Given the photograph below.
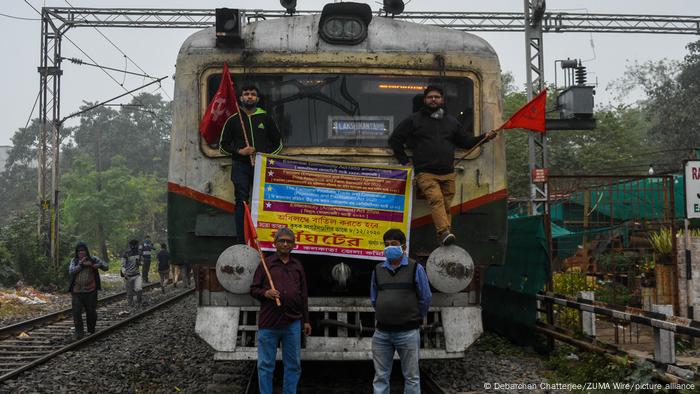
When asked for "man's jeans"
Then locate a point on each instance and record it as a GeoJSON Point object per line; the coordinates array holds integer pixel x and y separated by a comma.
{"type": "Point", "coordinates": [268, 338]}
{"type": "Point", "coordinates": [407, 344]}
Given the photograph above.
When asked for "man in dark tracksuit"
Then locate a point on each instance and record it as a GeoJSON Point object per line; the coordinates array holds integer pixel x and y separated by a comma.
{"type": "Point", "coordinates": [84, 285]}
{"type": "Point", "coordinates": [262, 135]}
{"type": "Point", "coordinates": [433, 135]}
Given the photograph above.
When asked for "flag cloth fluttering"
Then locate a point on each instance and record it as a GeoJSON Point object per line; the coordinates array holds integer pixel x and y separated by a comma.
{"type": "Point", "coordinates": [222, 106]}
{"type": "Point", "coordinates": [249, 231]}
{"type": "Point", "coordinates": [530, 116]}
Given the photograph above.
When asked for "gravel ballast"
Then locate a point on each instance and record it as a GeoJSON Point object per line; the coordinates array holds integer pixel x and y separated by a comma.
{"type": "Point", "coordinates": [161, 353]}
{"type": "Point", "coordinates": [157, 354]}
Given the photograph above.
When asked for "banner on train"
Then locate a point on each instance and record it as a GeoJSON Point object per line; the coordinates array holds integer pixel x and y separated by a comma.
{"type": "Point", "coordinates": [336, 209]}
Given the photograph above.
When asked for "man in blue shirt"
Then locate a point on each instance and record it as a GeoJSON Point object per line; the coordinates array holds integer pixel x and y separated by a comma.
{"type": "Point", "coordinates": [401, 296]}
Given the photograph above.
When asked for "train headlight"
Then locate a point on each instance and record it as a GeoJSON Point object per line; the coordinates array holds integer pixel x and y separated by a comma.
{"type": "Point", "coordinates": [344, 23]}
{"type": "Point", "coordinates": [450, 269]}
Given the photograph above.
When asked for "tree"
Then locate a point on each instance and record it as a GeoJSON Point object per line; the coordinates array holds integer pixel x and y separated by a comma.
{"type": "Point", "coordinates": [671, 107]}
{"type": "Point", "coordinates": [140, 132]}
{"type": "Point", "coordinates": [115, 211]}
{"type": "Point", "coordinates": [22, 253]}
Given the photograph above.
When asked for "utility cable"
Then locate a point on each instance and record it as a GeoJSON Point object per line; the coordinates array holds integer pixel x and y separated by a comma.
{"type": "Point", "coordinates": [36, 100]}
{"type": "Point", "coordinates": [81, 62]}
{"type": "Point", "coordinates": [151, 112]}
{"type": "Point", "coordinates": [115, 80]}
{"type": "Point", "coordinates": [124, 54]}
{"type": "Point", "coordinates": [19, 17]}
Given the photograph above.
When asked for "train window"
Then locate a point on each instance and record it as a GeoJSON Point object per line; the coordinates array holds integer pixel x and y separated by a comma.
{"type": "Point", "coordinates": [349, 109]}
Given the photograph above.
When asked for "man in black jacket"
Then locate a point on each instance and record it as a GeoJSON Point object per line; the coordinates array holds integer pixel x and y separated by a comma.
{"type": "Point", "coordinates": [84, 283]}
{"type": "Point", "coordinates": [261, 135]}
{"type": "Point", "coordinates": [433, 135]}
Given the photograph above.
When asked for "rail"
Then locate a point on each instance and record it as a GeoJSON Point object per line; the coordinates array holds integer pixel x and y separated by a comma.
{"type": "Point", "coordinates": [14, 329]}
{"type": "Point", "coordinates": [98, 334]}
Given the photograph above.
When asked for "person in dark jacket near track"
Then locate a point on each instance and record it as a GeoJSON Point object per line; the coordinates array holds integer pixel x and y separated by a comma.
{"type": "Point", "coordinates": [281, 323]}
{"type": "Point", "coordinates": [84, 283]}
{"type": "Point", "coordinates": [261, 135]}
{"type": "Point", "coordinates": [433, 135]}
{"type": "Point", "coordinates": [401, 296]}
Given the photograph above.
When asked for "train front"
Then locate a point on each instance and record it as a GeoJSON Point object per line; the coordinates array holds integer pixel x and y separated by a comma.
{"type": "Point", "coordinates": [337, 84]}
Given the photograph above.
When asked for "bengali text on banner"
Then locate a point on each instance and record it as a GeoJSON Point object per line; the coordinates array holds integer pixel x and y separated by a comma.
{"type": "Point", "coordinates": [338, 209]}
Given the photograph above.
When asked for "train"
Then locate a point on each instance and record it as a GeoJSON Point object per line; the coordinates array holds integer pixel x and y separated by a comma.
{"type": "Point", "coordinates": [312, 68]}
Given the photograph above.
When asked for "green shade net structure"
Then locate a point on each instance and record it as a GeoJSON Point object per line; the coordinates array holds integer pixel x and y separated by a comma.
{"type": "Point", "coordinates": [641, 199]}
{"type": "Point", "coordinates": [615, 208]}
{"type": "Point", "coordinates": [509, 292]}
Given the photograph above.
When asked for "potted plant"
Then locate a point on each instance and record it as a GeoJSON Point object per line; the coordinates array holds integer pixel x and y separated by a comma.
{"type": "Point", "coordinates": [662, 244]}
{"type": "Point", "coordinates": [646, 271]}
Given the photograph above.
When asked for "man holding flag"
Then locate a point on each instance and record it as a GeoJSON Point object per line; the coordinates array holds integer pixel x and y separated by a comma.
{"type": "Point", "coordinates": [433, 135]}
{"type": "Point", "coordinates": [245, 133]}
{"type": "Point", "coordinates": [279, 284]}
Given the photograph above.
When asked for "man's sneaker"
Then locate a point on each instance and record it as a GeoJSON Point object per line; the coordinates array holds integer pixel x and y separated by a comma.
{"type": "Point", "coordinates": [447, 239]}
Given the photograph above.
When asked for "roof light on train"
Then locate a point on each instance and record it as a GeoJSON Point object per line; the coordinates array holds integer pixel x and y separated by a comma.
{"type": "Point", "coordinates": [289, 5]}
{"type": "Point", "coordinates": [228, 27]}
{"type": "Point", "coordinates": [344, 23]}
{"type": "Point", "coordinates": [393, 7]}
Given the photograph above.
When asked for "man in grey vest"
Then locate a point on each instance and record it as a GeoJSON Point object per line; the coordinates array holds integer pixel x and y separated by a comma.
{"type": "Point", "coordinates": [400, 295]}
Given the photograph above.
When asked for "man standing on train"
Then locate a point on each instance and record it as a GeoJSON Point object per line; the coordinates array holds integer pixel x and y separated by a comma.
{"type": "Point", "coordinates": [400, 295]}
{"type": "Point", "coordinates": [281, 323]}
{"type": "Point", "coordinates": [433, 135]}
{"type": "Point", "coordinates": [257, 132]}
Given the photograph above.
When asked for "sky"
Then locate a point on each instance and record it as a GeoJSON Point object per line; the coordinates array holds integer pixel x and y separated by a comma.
{"type": "Point", "coordinates": [154, 51]}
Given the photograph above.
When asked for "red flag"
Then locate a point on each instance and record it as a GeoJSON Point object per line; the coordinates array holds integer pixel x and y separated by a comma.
{"type": "Point", "coordinates": [530, 116]}
{"type": "Point", "coordinates": [222, 105]}
{"type": "Point", "coordinates": [249, 232]}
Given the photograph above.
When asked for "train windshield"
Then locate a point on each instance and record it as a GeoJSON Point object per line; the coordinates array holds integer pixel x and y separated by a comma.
{"type": "Point", "coordinates": [336, 110]}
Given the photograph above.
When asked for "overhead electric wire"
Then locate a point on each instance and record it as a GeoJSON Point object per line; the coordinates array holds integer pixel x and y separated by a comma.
{"type": "Point", "coordinates": [36, 100]}
{"type": "Point", "coordinates": [114, 79]}
{"type": "Point", "coordinates": [124, 54]}
{"type": "Point", "coordinates": [151, 112]}
{"type": "Point", "coordinates": [81, 62]}
{"type": "Point", "coordinates": [19, 17]}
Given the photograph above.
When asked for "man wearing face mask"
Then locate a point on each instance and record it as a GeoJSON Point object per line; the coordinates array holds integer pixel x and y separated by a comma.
{"type": "Point", "coordinates": [433, 135]}
{"type": "Point", "coordinates": [261, 135]}
{"type": "Point", "coordinates": [401, 296]}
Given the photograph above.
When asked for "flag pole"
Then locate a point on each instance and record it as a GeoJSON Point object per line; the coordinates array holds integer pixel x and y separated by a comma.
{"type": "Point", "coordinates": [267, 271]}
{"type": "Point", "coordinates": [240, 118]}
{"type": "Point", "coordinates": [478, 144]}
{"type": "Point", "coordinates": [254, 239]}
{"type": "Point", "coordinates": [245, 136]}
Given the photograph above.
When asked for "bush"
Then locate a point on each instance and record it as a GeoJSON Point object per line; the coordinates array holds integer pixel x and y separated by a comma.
{"type": "Point", "coordinates": [8, 276]}
{"type": "Point", "coordinates": [569, 283]}
{"type": "Point", "coordinates": [25, 257]}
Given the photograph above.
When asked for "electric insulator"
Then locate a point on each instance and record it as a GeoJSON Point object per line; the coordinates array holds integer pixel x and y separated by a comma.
{"type": "Point", "coordinates": [581, 75]}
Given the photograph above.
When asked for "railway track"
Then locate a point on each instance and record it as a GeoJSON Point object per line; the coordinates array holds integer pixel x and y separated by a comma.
{"type": "Point", "coordinates": [340, 377]}
{"type": "Point", "coordinates": [27, 344]}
